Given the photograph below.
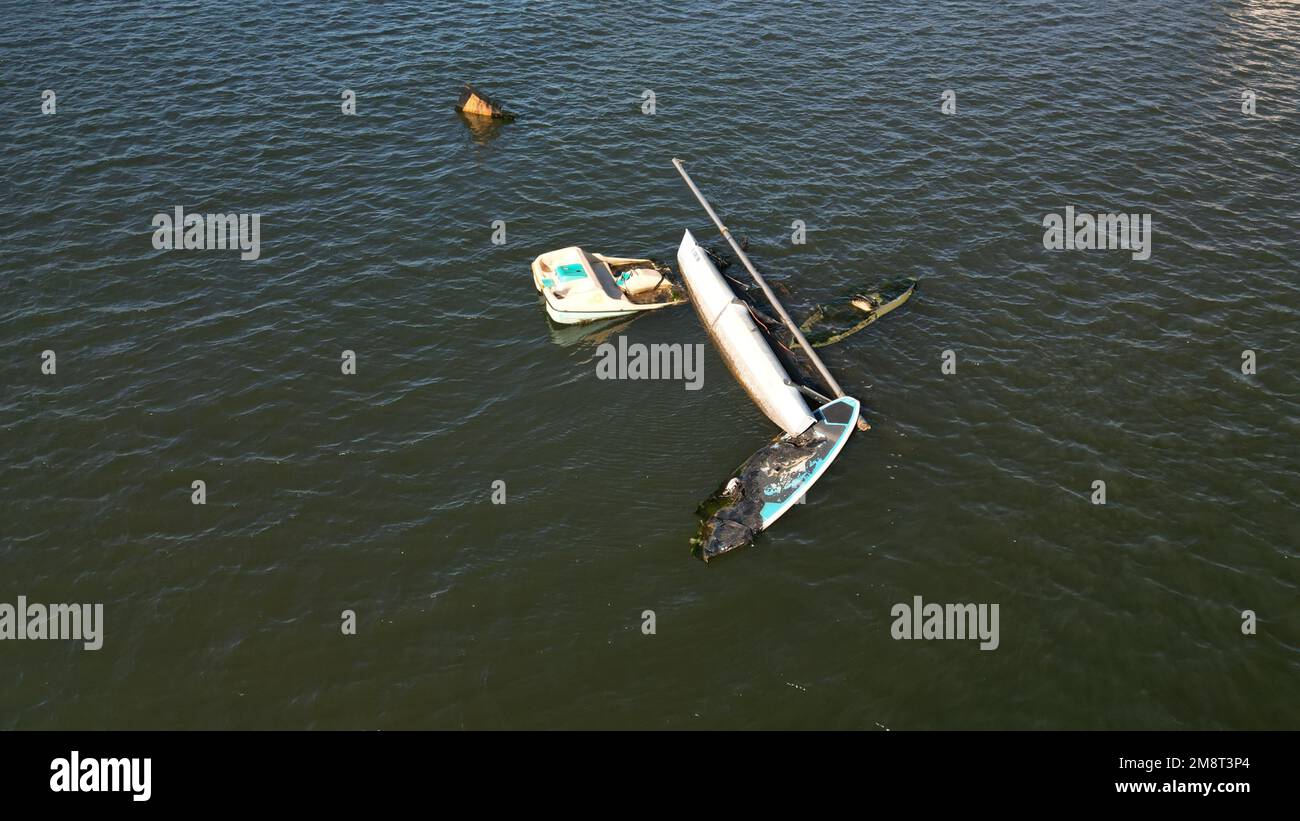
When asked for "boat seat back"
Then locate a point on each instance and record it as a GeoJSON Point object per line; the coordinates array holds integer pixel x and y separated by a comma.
{"type": "Point", "coordinates": [600, 277]}
{"type": "Point", "coordinates": [639, 280]}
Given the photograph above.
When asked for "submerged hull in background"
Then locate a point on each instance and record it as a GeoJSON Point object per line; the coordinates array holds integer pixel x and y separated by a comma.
{"type": "Point", "coordinates": [475, 103]}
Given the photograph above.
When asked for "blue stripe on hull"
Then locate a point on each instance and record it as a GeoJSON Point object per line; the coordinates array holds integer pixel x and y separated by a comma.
{"type": "Point", "coordinates": [771, 511]}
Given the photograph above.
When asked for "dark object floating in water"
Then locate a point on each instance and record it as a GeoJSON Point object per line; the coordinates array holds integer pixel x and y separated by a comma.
{"type": "Point", "coordinates": [722, 259]}
{"type": "Point", "coordinates": [845, 319]}
{"type": "Point", "coordinates": [474, 102]}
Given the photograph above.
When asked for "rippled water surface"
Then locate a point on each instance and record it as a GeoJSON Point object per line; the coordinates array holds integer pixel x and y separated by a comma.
{"type": "Point", "coordinates": [372, 492]}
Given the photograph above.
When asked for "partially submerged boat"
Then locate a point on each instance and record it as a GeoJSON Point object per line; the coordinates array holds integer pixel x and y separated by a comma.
{"type": "Point", "coordinates": [779, 475]}
{"type": "Point", "coordinates": [475, 103]}
{"type": "Point", "coordinates": [578, 286]}
{"type": "Point", "coordinates": [840, 321]}
{"type": "Point", "coordinates": [732, 327]}
{"type": "Point", "coordinates": [773, 480]}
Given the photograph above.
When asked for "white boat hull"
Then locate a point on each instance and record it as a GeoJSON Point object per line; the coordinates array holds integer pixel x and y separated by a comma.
{"type": "Point", "coordinates": [571, 318]}
{"type": "Point", "coordinates": [740, 341]}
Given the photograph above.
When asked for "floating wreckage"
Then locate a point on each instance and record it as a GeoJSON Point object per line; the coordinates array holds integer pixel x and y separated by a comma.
{"type": "Point", "coordinates": [873, 304]}
{"type": "Point", "coordinates": [477, 104]}
{"type": "Point", "coordinates": [778, 476]}
{"type": "Point", "coordinates": [579, 287]}
{"type": "Point", "coordinates": [775, 478]}
{"type": "Point", "coordinates": [482, 115]}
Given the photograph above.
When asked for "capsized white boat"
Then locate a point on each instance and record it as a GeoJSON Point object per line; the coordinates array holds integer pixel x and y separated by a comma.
{"type": "Point", "coordinates": [578, 286]}
{"type": "Point", "coordinates": [740, 341]}
{"type": "Point", "coordinates": [778, 476]}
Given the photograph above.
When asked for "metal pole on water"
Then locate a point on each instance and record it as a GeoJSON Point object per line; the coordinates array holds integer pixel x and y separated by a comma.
{"type": "Point", "coordinates": [771, 297]}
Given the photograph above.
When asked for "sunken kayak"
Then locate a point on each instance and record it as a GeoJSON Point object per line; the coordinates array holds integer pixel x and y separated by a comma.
{"type": "Point", "coordinates": [740, 341]}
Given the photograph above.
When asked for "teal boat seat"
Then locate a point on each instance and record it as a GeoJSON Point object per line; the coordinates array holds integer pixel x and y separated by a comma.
{"type": "Point", "coordinates": [571, 271]}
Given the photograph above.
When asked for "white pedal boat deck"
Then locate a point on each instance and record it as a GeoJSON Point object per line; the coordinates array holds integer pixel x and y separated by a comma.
{"type": "Point", "coordinates": [578, 286]}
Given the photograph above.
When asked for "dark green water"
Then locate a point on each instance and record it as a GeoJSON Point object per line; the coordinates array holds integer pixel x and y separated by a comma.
{"type": "Point", "coordinates": [372, 492]}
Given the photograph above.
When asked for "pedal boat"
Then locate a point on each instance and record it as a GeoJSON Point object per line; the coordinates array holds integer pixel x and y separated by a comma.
{"type": "Point", "coordinates": [578, 286]}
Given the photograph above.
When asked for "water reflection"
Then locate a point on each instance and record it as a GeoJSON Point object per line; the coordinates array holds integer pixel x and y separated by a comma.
{"type": "Point", "coordinates": [482, 130]}
{"type": "Point", "coordinates": [588, 333]}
